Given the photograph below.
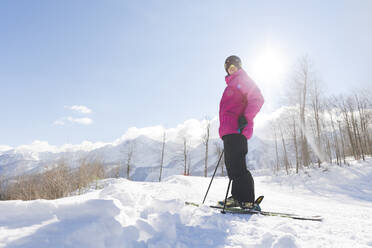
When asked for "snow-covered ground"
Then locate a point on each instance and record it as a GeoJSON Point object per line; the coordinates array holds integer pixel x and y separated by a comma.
{"type": "Point", "coordinates": [147, 214]}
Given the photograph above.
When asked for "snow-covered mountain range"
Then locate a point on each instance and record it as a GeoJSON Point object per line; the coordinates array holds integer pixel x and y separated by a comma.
{"type": "Point", "coordinates": [147, 145]}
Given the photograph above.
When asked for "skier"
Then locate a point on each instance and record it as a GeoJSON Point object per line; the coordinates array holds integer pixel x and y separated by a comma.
{"type": "Point", "coordinates": [240, 103]}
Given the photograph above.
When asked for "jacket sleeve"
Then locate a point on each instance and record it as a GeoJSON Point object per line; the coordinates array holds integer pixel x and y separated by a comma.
{"type": "Point", "coordinates": [224, 112]}
{"type": "Point", "coordinates": [254, 100]}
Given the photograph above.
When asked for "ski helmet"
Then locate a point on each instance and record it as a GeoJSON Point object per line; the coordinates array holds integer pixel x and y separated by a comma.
{"type": "Point", "coordinates": [233, 60]}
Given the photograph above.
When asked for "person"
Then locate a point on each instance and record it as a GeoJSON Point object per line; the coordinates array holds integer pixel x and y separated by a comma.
{"type": "Point", "coordinates": [240, 102]}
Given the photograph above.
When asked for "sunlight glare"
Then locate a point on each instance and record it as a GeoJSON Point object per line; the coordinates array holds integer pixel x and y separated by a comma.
{"type": "Point", "coordinates": [269, 67]}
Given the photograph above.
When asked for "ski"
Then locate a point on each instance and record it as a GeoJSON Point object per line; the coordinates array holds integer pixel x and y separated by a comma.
{"type": "Point", "coordinates": [236, 210]}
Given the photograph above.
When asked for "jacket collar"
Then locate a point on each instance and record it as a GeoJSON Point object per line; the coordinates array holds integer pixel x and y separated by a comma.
{"type": "Point", "coordinates": [230, 78]}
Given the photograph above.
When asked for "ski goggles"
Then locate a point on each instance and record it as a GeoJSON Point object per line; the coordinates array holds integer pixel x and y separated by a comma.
{"type": "Point", "coordinates": [229, 66]}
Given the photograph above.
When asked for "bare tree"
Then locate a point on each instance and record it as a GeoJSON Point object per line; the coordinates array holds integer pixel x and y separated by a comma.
{"type": "Point", "coordinates": [205, 140]}
{"type": "Point", "coordinates": [97, 171]}
{"type": "Point", "coordinates": [274, 132]}
{"type": "Point", "coordinates": [315, 99]}
{"type": "Point", "coordinates": [302, 79]}
{"type": "Point", "coordinates": [342, 141]}
{"type": "Point", "coordinates": [3, 188]}
{"type": "Point", "coordinates": [89, 171]}
{"type": "Point", "coordinates": [365, 113]}
{"type": "Point", "coordinates": [345, 109]}
{"type": "Point", "coordinates": [355, 127]}
{"type": "Point", "coordinates": [24, 188]}
{"type": "Point", "coordinates": [162, 155]}
{"type": "Point", "coordinates": [185, 155]}
{"type": "Point", "coordinates": [129, 153]}
{"type": "Point", "coordinates": [218, 152]}
{"type": "Point", "coordinates": [56, 181]}
{"type": "Point", "coordinates": [53, 183]}
{"type": "Point", "coordinates": [298, 95]}
{"type": "Point", "coordinates": [363, 135]}
{"type": "Point", "coordinates": [189, 165]}
{"type": "Point", "coordinates": [115, 172]}
{"type": "Point", "coordinates": [294, 138]}
{"type": "Point", "coordinates": [334, 135]}
{"type": "Point", "coordinates": [285, 157]}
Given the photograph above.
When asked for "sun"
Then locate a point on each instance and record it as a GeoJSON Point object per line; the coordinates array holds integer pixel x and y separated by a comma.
{"type": "Point", "coordinates": [269, 67]}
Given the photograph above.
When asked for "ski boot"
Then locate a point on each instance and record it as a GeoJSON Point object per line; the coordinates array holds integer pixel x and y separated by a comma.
{"type": "Point", "coordinates": [249, 206]}
{"type": "Point", "coordinates": [252, 206]}
{"type": "Point", "coordinates": [230, 203]}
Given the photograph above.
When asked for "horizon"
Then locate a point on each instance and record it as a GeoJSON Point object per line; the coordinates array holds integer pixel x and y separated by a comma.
{"type": "Point", "coordinates": [72, 72]}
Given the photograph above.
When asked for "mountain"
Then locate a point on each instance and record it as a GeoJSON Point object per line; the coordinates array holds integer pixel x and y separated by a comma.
{"type": "Point", "coordinates": [146, 144]}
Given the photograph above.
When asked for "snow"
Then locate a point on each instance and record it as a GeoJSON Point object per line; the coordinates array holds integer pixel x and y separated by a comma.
{"type": "Point", "coordinates": [151, 214]}
{"type": "Point", "coordinates": [4, 148]}
{"type": "Point", "coordinates": [43, 146]}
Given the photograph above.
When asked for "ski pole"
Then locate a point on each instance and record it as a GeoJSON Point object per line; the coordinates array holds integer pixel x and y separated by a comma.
{"type": "Point", "coordinates": [213, 176]}
{"type": "Point", "coordinates": [227, 192]}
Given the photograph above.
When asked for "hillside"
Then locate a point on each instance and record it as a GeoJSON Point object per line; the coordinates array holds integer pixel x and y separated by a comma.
{"type": "Point", "coordinates": [150, 214]}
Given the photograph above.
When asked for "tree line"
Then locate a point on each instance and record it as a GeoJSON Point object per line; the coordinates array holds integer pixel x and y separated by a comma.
{"type": "Point", "coordinates": [53, 183]}
{"type": "Point", "coordinates": [317, 128]}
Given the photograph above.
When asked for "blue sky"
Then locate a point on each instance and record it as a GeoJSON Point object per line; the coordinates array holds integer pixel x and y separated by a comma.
{"type": "Point", "coordinates": [146, 63]}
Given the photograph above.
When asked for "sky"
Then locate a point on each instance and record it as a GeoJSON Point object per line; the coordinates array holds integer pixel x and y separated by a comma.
{"type": "Point", "coordinates": [72, 71]}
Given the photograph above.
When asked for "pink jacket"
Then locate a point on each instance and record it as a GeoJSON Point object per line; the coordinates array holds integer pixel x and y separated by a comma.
{"type": "Point", "coordinates": [241, 97]}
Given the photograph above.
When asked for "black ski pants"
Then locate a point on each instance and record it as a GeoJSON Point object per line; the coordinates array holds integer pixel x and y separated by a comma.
{"type": "Point", "coordinates": [236, 149]}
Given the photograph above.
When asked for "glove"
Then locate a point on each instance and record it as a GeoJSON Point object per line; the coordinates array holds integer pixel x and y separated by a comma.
{"type": "Point", "coordinates": [242, 123]}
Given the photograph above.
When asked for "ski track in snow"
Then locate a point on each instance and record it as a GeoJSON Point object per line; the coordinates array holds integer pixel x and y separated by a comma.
{"type": "Point", "coordinates": [148, 214]}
